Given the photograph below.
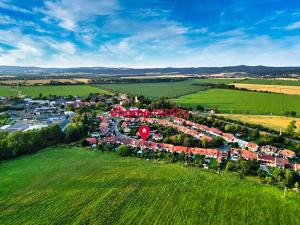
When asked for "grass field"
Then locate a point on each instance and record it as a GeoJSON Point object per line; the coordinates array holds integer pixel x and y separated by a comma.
{"type": "Point", "coordinates": [242, 102]}
{"type": "Point", "coordinates": [7, 91]}
{"type": "Point", "coordinates": [167, 89]}
{"type": "Point", "coordinates": [291, 90]}
{"type": "Point", "coordinates": [45, 81]}
{"type": "Point", "coordinates": [274, 122]}
{"type": "Point", "coordinates": [74, 186]}
{"type": "Point", "coordinates": [271, 82]}
{"type": "Point", "coordinates": [60, 90]}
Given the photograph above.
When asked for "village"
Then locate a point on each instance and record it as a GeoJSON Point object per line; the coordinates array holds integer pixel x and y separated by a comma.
{"type": "Point", "coordinates": [118, 131]}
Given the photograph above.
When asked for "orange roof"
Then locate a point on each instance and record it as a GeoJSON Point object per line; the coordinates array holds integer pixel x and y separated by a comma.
{"type": "Point", "coordinates": [287, 153]}
{"type": "Point", "coordinates": [297, 167]}
{"type": "Point", "coordinates": [180, 149]}
{"type": "Point", "coordinates": [248, 154]}
{"type": "Point", "coordinates": [91, 140]}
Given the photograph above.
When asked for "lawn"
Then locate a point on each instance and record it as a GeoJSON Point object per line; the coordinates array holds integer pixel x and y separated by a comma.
{"type": "Point", "coordinates": [60, 90]}
{"type": "Point", "coordinates": [74, 186]}
{"type": "Point", "coordinates": [167, 89]}
{"type": "Point", "coordinates": [6, 91]}
{"type": "Point", "coordinates": [242, 102]}
{"type": "Point", "coordinates": [271, 82]}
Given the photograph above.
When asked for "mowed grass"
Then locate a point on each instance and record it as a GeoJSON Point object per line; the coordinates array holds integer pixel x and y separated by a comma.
{"type": "Point", "coordinates": [61, 90]}
{"type": "Point", "coordinates": [164, 89]}
{"type": "Point", "coordinates": [75, 186]}
{"type": "Point", "coordinates": [274, 122]}
{"type": "Point", "coordinates": [242, 102]}
{"type": "Point", "coordinates": [6, 91]}
{"type": "Point", "coordinates": [271, 82]}
{"type": "Point", "coordinates": [291, 90]}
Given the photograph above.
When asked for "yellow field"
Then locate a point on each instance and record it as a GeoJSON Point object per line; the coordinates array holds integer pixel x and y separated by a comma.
{"type": "Point", "coordinates": [44, 81]}
{"type": "Point", "coordinates": [274, 122]}
{"type": "Point", "coordinates": [291, 90]}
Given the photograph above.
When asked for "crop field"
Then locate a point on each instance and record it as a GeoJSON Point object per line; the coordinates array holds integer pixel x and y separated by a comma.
{"type": "Point", "coordinates": [44, 81]}
{"type": "Point", "coordinates": [74, 186]}
{"type": "Point", "coordinates": [242, 102]}
{"type": "Point", "coordinates": [60, 90]}
{"type": "Point", "coordinates": [272, 82]}
{"type": "Point", "coordinates": [6, 91]}
{"type": "Point", "coordinates": [167, 89]}
{"type": "Point", "coordinates": [274, 122]}
{"type": "Point", "coordinates": [291, 90]}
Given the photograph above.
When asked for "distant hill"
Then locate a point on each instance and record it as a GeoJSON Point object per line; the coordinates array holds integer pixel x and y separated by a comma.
{"type": "Point", "coordinates": [248, 70]}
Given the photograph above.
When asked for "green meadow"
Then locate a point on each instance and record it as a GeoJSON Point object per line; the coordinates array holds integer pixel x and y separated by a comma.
{"type": "Point", "coordinates": [166, 89]}
{"type": "Point", "coordinates": [6, 91]}
{"type": "Point", "coordinates": [60, 90]}
{"type": "Point", "coordinates": [271, 82]}
{"type": "Point", "coordinates": [64, 185]}
{"type": "Point", "coordinates": [242, 102]}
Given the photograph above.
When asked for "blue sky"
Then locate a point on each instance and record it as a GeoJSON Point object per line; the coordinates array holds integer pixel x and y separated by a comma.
{"type": "Point", "coordinates": [149, 33]}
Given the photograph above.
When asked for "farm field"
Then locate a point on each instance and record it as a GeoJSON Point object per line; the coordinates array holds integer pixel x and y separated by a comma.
{"type": "Point", "coordinates": [274, 122]}
{"type": "Point", "coordinates": [6, 91]}
{"type": "Point", "coordinates": [60, 90]}
{"type": "Point", "coordinates": [284, 82]}
{"type": "Point", "coordinates": [291, 90]}
{"type": "Point", "coordinates": [75, 186]}
{"type": "Point", "coordinates": [242, 102]}
{"type": "Point", "coordinates": [44, 81]}
{"type": "Point", "coordinates": [167, 89]}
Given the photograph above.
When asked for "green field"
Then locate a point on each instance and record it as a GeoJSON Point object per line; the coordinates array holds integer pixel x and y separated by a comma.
{"type": "Point", "coordinates": [241, 102]}
{"type": "Point", "coordinates": [75, 186]}
{"type": "Point", "coordinates": [60, 90]}
{"type": "Point", "coordinates": [167, 89]}
{"type": "Point", "coordinates": [6, 91]}
{"type": "Point", "coordinates": [271, 82]}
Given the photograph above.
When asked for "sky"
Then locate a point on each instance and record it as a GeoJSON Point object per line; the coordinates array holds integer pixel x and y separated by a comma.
{"type": "Point", "coordinates": [149, 33]}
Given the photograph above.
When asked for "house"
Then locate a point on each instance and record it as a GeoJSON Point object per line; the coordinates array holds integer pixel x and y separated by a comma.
{"type": "Point", "coordinates": [267, 159]}
{"type": "Point", "coordinates": [91, 141]}
{"type": "Point", "coordinates": [167, 147]}
{"type": "Point", "coordinates": [297, 167]}
{"type": "Point", "coordinates": [215, 131]}
{"type": "Point", "coordinates": [178, 120]}
{"type": "Point", "coordinates": [268, 149]}
{"type": "Point", "coordinates": [248, 155]}
{"type": "Point", "coordinates": [281, 163]}
{"type": "Point", "coordinates": [157, 137]}
{"type": "Point", "coordinates": [287, 154]}
{"type": "Point", "coordinates": [228, 137]}
{"type": "Point", "coordinates": [180, 149]}
{"type": "Point", "coordinates": [252, 146]}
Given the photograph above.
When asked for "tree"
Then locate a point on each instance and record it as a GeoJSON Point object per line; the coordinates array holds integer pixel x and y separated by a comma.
{"type": "Point", "coordinates": [277, 174]}
{"type": "Point", "coordinates": [72, 132]}
{"type": "Point", "coordinates": [230, 166]}
{"type": "Point", "coordinates": [123, 150]}
{"type": "Point", "coordinates": [293, 113]}
{"type": "Point", "coordinates": [290, 130]}
{"type": "Point", "coordinates": [288, 178]}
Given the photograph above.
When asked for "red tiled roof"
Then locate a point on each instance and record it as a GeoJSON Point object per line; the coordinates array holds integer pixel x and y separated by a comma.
{"type": "Point", "coordinates": [266, 158]}
{"type": "Point", "coordinates": [248, 155]}
{"type": "Point", "coordinates": [288, 153]}
{"type": "Point", "coordinates": [252, 146]}
{"type": "Point", "coordinates": [91, 140]}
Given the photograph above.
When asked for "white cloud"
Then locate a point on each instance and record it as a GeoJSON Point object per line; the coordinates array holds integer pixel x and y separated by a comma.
{"type": "Point", "coordinates": [69, 13]}
{"type": "Point", "coordinates": [293, 26]}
